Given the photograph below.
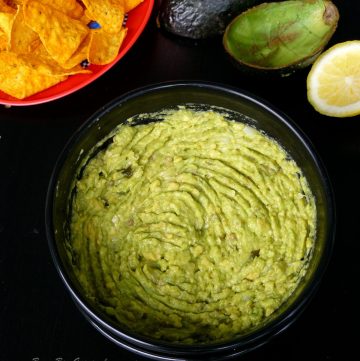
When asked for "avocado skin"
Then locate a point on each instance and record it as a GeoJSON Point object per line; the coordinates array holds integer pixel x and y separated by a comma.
{"type": "Point", "coordinates": [200, 19]}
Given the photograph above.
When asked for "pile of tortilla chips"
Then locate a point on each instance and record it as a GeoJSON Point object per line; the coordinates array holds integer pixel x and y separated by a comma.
{"type": "Point", "coordinates": [42, 42]}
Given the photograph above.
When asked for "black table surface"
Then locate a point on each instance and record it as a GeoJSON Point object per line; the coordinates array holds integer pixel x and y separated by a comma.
{"type": "Point", "coordinates": [38, 319]}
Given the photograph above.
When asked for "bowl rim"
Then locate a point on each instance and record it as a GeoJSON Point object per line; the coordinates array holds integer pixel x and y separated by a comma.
{"type": "Point", "coordinates": [272, 328]}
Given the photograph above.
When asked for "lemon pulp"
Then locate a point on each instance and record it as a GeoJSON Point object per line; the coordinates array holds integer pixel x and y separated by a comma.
{"type": "Point", "coordinates": [333, 83]}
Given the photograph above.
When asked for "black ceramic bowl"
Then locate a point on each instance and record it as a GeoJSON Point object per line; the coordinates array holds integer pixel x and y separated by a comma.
{"type": "Point", "coordinates": [151, 99]}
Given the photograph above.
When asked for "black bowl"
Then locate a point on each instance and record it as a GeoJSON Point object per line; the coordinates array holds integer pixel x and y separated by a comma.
{"type": "Point", "coordinates": [243, 107]}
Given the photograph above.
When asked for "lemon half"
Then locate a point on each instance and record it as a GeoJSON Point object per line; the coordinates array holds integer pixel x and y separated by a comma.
{"type": "Point", "coordinates": [333, 84]}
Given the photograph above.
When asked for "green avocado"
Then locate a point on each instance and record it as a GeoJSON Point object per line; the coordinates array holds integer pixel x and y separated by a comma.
{"type": "Point", "coordinates": [200, 19]}
{"type": "Point", "coordinates": [191, 229]}
{"type": "Point", "coordinates": [281, 36]}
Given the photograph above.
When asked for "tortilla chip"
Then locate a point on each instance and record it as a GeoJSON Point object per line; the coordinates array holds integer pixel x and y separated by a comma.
{"type": "Point", "coordinates": [131, 4]}
{"type": "Point", "coordinates": [14, 3]}
{"type": "Point", "coordinates": [69, 7]}
{"type": "Point", "coordinates": [105, 46]}
{"type": "Point", "coordinates": [41, 60]}
{"type": "Point", "coordinates": [20, 80]}
{"type": "Point", "coordinates": [85, 19]}
{"type": "Point", "coordinates": [4, 7]}
{"type": "Point", "coordinates": [81, 54]}
{"type": "Point", "coordinates": [108, 13]}
{"type": "Point", "coordinates": [3, 41]}
{"type": "Point", "coordinates": [60, 34]}
{"type": "Point", "coordinates": [23, 39]}
{"type": "Point", "coordinates": [6, 22]}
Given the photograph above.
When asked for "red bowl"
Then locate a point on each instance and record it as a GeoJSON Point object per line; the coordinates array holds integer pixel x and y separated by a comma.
{"type": "Point", "coordinates": [137, 19]}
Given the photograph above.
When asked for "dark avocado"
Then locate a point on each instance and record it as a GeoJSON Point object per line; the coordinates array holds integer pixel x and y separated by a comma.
{"type": "Point", "coordinates": [280, 37]}
{"type": "Point", "coordinates": [200, 19]}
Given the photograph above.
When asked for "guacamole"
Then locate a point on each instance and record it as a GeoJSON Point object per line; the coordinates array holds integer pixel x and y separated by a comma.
{"type": "Point", "coordinates": [191, 229]}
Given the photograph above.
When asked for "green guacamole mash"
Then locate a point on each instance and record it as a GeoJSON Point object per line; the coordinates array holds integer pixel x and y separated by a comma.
{"type": "Point", "coordinates": [191, 229]}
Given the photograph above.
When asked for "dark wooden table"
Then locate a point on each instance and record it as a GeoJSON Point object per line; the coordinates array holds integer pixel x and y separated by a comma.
{"type": "Point", "coordinates": [38, 320]}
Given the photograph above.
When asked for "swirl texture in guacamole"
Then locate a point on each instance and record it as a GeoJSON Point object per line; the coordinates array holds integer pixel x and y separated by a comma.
{"type": "Point", "coordinates": [192, 229]}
